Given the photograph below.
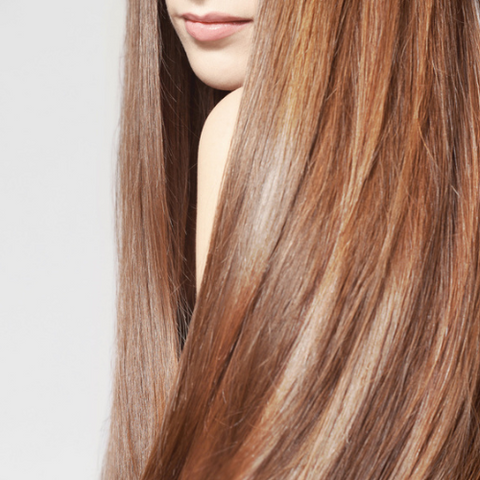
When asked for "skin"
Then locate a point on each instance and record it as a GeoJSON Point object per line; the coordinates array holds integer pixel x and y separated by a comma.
{"type": "Point", "coordinates": [221, 64]}
{"type": "Point", "coordinates": [212, 156]}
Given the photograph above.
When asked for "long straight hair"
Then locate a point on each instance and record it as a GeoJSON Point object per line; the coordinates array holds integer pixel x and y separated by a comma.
{"type": "Point", "coordinates": [336, 332]}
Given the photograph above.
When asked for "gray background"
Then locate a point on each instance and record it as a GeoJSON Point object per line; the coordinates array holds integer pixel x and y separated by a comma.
{"type": "Point", "coordinates": [59, 102]}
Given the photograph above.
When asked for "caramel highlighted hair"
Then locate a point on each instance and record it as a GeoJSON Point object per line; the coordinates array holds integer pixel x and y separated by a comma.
{"type": "Point", "coordinates": [336, 333]}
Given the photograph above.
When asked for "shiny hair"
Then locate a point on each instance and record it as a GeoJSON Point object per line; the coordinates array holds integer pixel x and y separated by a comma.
{"type": "Point", "coordinates": [336, 332]}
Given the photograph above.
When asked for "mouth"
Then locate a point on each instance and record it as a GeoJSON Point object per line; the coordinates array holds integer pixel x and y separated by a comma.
{"type": "Point", "coordinates": [213, 26]}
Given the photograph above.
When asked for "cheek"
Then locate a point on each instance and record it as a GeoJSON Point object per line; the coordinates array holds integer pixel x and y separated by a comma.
{"type": "Point", "coordinates": [170, 5]}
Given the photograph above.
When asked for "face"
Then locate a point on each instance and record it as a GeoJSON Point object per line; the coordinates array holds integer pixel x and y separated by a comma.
{"type": "Point", "coordinates": [217, 36]}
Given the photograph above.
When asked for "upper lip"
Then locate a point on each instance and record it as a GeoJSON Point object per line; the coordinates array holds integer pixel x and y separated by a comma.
{"type": "Point", "coordinates": [214, 17]}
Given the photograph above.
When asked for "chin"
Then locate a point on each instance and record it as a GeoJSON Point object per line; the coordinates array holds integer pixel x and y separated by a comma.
{"type": "Point", "coordinates": [220, 73]}
{"type": "Point", "coordinates": [227, 84]}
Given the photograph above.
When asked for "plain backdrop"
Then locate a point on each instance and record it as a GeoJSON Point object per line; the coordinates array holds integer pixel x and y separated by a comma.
{"type": "Point", "coordinates": [59, 106]}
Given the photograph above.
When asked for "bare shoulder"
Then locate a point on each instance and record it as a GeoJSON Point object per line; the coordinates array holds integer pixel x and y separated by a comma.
{"type": "Point", "coordinates": [218, 129]}
{"type": "Point", "coordinates": [212, 156]}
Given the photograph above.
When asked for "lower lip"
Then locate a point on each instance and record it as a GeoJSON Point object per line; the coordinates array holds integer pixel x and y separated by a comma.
{"type": "Point", "coordinates": [209, 32]}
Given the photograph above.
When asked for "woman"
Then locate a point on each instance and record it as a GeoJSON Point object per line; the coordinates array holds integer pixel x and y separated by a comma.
{"type": "Point", "coordinates": [335, 332]}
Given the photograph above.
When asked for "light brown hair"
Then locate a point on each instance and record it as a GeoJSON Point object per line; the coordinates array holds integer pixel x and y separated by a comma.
{"type": "Point", "coordinates": [336, 333]}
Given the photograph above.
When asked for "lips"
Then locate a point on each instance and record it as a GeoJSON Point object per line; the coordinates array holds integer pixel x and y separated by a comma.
{"type": "Point", "coordinates": [213, 26]}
